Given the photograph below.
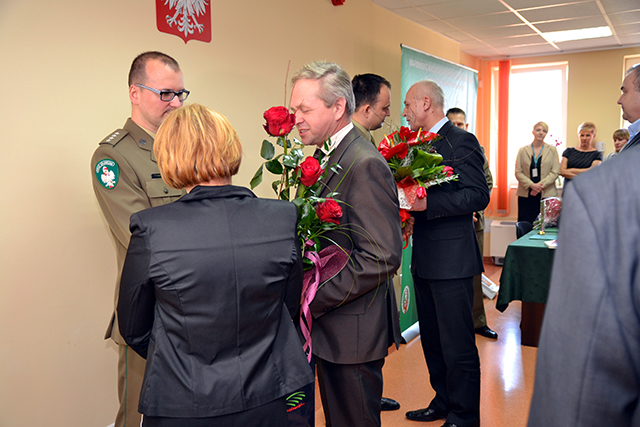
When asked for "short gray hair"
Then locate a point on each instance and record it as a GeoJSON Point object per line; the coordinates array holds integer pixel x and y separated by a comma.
{"type": "Point", "coordinates": [635, 70]}
{"type": "Point", "coordinates": [335, 83]}
{"type": "Point", "coordinates": [433, 91]}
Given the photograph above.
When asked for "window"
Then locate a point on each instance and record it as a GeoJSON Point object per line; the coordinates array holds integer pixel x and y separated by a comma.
{"type": "Point", "coordinates": [537, 93]}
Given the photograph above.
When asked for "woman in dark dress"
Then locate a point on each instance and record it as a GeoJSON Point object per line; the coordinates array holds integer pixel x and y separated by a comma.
{"type": "Point", "coordinates": [537, 167]}
{"type": "Point", "coordinates": [576, 160]}
{"type": "Point", "coordinates": [209, 288]}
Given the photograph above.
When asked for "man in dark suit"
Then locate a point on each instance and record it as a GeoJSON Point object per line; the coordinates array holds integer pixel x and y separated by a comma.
{"type": "Point", "coordinates": [445, 258]}
{"type": "Point", "coordinates": [630, 103]}
{"type": "Point", "coordinates": [588, 369]}
{"type": "Point", "coordinates": [353, 318]}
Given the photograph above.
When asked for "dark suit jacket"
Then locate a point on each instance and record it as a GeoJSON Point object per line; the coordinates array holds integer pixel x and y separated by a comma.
{"type": "Point", "coordinates": [353, 311]}
{"type": "Point", "coordinates": [588, 369]}
{"type": "Point", "coordinates": [209, 287]}
{"type": "Point", "coordinates": [444, 239]}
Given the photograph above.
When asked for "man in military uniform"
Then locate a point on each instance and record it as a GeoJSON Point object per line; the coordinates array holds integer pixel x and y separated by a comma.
{"type": "Point", "coordinates": [126, 179]}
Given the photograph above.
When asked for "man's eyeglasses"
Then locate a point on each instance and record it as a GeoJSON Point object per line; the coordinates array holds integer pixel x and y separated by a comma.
{"type": "Point", "coordinates": [168, 95]}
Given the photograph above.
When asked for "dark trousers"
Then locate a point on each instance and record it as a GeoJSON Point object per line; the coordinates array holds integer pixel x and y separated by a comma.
{"type": "Point", "coordinates": [448, 342]}
{"type": "Point", "coordinates": [272, 414]}
{"type": "Point", "coordinates": [350, 394]}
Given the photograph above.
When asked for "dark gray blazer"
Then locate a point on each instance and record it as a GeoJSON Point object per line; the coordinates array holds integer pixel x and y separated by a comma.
{"type": "Point", "coordinates": [355, 317]}
{"type": "Point", "coordinates": [588, 366]}
{"type": "Point", "coordinates": [444, 239]}
{"type": "Point", "coordinates": [209, 287]}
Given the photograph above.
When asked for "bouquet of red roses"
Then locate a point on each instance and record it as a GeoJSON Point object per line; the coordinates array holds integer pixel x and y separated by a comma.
{"type": "Point", "coordinates": [415, 165]}
{"type": "Point", "coordinates": [298, 181]}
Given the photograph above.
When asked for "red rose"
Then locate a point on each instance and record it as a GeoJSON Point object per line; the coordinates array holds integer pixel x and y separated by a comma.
{"type": "Point", "coordinates": [329, 211]}
{"type": "Point", "coordinates": [448, 170]}
{"type": "Point", "coordinates": [421, 193]}
{"type": "Point", "coordinates": [310, 171]}
{"type": "Point", "coordinates": [279, 121]}
{"type": "Point", "coordinates": [404, 216]}
{"type": "Point", "coordinates": [401, 150]}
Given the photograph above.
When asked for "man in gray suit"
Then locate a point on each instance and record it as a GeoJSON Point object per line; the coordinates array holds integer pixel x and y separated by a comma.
{"type": "Point", "coordinates": [630, 103]}
{"type": "Point", "coordinates": [353, 319]}
{"type": "Point", "coordinates": [588, 369]}
{"type": "Point", "coordinates": [588, 366]}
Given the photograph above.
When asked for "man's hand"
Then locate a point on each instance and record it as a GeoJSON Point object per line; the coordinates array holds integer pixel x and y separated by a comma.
{"type": "Point", "coordinates": [407, 230]}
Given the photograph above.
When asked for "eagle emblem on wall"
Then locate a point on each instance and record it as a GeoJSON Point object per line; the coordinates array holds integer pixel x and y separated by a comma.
{"type": "Point", "coordinates": [187, 19]}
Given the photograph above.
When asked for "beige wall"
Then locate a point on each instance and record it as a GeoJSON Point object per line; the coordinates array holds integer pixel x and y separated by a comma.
{"type": "Point", "coordinates": [64, 67]}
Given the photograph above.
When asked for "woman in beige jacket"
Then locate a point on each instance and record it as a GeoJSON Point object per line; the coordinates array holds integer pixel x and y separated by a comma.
{"type": "Point", "coordinates": [537, 167]}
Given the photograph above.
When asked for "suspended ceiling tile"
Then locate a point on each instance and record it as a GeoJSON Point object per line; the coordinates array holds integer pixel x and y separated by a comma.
{"type": "Point", "coordinates": [485, 21]}
{"type": "Point", "coordinates": [612, 6]}
{"type": "Point", "coordinates": [456, 8]}
{"type": "Point", "coordinates": [497, 32]}
{"type": "Point", "coordinates": [625, 18]}
{"type": "Point", "coordinates": [413, 14]}
{"type": "Point", "coordinates": [576, 10]}
{"type": "Point", "coordinates": [571, 24]}
{"type": "Point", "coordinates": [438, 26]}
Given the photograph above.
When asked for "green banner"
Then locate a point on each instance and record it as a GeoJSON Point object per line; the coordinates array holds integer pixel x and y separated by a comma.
{"type": "Point", "coordinates": [460, 84]}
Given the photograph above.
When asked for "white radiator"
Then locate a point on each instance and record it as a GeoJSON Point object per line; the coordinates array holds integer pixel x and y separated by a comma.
{"type": "Point", "coordinates": [502, 234]}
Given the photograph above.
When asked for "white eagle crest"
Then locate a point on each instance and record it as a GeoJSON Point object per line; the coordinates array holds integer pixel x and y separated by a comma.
{"type": "Point", "coordinates": [186, 13]}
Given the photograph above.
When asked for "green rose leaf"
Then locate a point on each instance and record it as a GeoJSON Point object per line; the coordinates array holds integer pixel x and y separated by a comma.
{"type": "Point", "coordinates": [257, 178]}
{"type": "Point", "coordinates": [274, 166]}
{"type": "Point", "coordinates": [267, 150]}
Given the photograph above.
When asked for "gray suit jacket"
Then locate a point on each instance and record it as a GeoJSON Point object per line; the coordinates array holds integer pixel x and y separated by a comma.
{"type": "Point", "coordinates": [353, 315]}
{"type": "Point", "coordinates": [588, 367]}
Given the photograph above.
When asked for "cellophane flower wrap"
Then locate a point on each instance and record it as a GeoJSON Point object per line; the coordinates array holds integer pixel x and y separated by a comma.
{"type": "Point", "coordinates": [549, 213]}
{"type": "Point", "coordinates": [415, 165]}
{"type": "Point", "coordinates": [299, 181]}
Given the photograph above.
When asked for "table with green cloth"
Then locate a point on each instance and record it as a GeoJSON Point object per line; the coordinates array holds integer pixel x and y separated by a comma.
{"type": "Point", "coordinates": [525, 276]}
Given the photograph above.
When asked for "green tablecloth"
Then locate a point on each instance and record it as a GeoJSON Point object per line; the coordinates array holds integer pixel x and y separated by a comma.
{"type": "Point", "coordinates": [527, 270]}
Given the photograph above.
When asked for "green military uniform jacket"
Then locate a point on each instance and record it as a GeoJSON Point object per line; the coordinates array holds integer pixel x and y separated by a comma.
{"type": "Point", "coordinates": [126, 180]}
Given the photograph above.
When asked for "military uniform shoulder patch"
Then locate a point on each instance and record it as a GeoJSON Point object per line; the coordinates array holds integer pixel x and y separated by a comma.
{"type": "Point", "coordinates": [114, 137]}
{"type": "Point", "coordinates": [107, 173]}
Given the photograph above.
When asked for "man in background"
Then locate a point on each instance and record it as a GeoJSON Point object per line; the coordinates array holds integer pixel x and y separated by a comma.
{"type": "Point", "coordinates": [630, 103]}
{"type": "Point", "coordinates": [126, 179]}
{"type": "Point", "coordinates": [444, 260]}
{"type": "Point", "coordinates": [458, 117]}
{"type": "Point", "coordinates": [354, 322]}
{"type": "Point", "coordinates": [373, 103]}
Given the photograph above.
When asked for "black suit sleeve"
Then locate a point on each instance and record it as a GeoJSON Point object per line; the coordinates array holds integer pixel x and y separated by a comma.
{"type": "Point", "coordinates": [293, 291]}
{"type": "Point", "coordinates": [470, 193]}
{"type": "Point", "coordinates": [136, 301]}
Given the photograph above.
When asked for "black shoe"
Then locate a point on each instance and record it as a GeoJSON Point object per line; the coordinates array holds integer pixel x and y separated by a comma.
{"type": "Point", "coordinates": [486, 331]}
{"type": "Point", "coordinates": [425, 414]}
{"type": "Point", "coordinates": [389, 404]}
{"type": "Point", "coordinates": [456, 425]}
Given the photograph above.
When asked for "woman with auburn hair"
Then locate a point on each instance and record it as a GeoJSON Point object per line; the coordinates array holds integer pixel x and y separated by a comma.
{"type": "Point", "coordinates": [210, 286]}
{"type": "Point", "coordinates": [576, 160]}
{"type": "Point", "coordinates": [537, 167]}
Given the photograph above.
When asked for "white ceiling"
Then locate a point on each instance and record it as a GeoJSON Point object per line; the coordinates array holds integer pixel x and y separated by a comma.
{"type": "Point", "coordinates": [492, 29]}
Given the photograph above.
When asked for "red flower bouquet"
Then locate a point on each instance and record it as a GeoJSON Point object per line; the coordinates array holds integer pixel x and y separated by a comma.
{"type": "Point", "coordinates": [415, 165]}
{"type": "Point", "coordinates": [549, 214]}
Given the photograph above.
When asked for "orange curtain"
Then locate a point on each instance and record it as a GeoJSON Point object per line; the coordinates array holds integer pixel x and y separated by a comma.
{"type": "Point", "coordinates": [502, 179]}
